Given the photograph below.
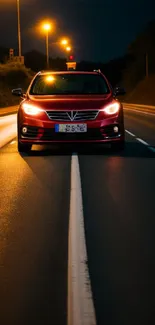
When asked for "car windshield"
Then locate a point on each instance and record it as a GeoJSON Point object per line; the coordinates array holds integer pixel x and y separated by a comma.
{"type": "Point", "coordinates": [69, 84]}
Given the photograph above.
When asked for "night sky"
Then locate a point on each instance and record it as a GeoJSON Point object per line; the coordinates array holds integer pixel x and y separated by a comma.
{"type": "Point", "coordinates": [100, 29]}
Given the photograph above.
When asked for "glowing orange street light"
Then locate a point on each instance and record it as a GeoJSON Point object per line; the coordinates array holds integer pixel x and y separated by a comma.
{"type": "Point", "coordinates": [64, 42]}
{"type": "Point", "coordinates": [68, 48]}
{"type": "Point", "coordinates": [47, 27]}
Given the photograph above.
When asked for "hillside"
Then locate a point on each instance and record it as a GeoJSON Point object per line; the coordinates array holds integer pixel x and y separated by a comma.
{"type": "Point", "coordinates": [144, 92]}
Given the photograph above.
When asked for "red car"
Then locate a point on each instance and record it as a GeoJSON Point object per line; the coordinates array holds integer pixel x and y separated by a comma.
{"type": "Point", "coordinates": [70, 107]}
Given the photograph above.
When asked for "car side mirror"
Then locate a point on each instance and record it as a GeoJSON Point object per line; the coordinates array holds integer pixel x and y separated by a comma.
{"type": "Point", "coordinates": [18, 92]}
{"type": "Point", "coordinates": [118, 91]}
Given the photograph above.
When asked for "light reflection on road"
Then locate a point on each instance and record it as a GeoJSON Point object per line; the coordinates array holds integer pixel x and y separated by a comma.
{"type": "Point", "coordinates": [8, 129]}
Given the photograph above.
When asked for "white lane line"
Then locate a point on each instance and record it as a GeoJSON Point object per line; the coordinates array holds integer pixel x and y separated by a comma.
{"type": "Point", "coordinates": [152, 149]}
{"type": "Point", "coordinates": [137, 111]}
{"type": "Point", "coordinates": [146, 144]}
{"type": "Point", "coordinates": [142, 141]}
{"type": "Point", "coordinates": [80, 302]}
{"type": "Point", "coordinates": [133, 135]}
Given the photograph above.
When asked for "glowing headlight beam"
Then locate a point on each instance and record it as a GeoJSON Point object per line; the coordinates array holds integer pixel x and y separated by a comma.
{"type": "Point", "coordinates": [31, 109]}
{"type": "Point", "coordinates": [112, 108]}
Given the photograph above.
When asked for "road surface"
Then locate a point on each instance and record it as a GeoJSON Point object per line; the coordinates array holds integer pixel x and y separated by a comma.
{"type": "Point", "coordinates": [119, 217]}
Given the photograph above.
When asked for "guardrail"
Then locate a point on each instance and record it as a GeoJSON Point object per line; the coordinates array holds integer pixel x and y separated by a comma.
{"type": "Point", "coordinates": [8, 110]}
{"type": "Point", "coordinates": [144, 109]}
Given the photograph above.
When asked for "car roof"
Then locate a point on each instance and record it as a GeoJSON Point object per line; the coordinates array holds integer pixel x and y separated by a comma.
{"type": "Point", "coordinates": [67, 72]}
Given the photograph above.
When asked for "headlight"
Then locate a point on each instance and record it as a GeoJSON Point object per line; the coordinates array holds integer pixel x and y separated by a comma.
{"type": "Point", "coordinates": [112, 108]}
{"type": "Point", "coordinates": [31, 109]}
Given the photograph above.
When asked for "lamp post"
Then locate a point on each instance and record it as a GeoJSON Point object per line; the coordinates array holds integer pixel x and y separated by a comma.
{"type": "Point", "coordinates": [19, 29]}
{"type": "Point", "coordinates": [47, 28]}
{"type": "Point", "coordinates": [146, 65]}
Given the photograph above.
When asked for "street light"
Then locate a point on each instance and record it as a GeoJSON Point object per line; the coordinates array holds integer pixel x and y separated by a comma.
{"type": "Point", "coordinates": [19, 30]}
{"type": "Point", "coordinates": [64, 42]}
{"type": "Point", "coordinates": [68, 48]}
{"type": "Point", "coordinates": [47, 28]}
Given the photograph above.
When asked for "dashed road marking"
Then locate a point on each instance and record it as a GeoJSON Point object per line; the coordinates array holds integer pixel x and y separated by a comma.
{"type": "Point", "coordinates": [142, 141]}
{"type": "Point", "coordinates": [130, 133]}
{"type": "Point", "coordinates": [80, 302]}
{"type": "Point", "coordinates": [152, 149]}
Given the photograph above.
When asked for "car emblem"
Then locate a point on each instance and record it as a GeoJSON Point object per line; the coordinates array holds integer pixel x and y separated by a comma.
{"type": "Point", "coordinates": [72, 115]}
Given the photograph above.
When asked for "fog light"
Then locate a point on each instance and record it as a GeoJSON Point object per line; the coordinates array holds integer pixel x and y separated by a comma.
{"type": "Point", "coordinates": [24, 129]}
{"type": "Point", "coordinates": [116, 129]}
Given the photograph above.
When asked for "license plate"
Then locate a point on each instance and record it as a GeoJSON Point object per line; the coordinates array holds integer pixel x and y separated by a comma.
{"type": "Point", "coordinates": [71, 128]}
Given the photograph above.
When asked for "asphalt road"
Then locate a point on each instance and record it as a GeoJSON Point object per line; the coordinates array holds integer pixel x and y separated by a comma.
{"type": "Point", "coordinates": [143, 126]}
{"type": "Point", "coordinates": [119, 215]}
{"type": "Point", "coordinates": [34, 209]}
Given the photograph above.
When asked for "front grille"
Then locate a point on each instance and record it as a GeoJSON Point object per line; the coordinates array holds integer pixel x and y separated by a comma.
{"type": "Point", "coordinates": [72, 115]}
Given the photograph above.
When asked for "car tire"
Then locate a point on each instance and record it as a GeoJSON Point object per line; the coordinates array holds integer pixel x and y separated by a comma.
{"type": "Point", "coordinates": [24, 147]}
{"type": "Point", "coordinates": [118, 146]}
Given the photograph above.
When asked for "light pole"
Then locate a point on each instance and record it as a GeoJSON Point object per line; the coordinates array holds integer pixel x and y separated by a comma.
{"type": "Point", "coordinates": [47, 28]}
{"type": "Point", "coordinates": [146, 65]}
{"type": "Point", "coordinates": [19, 30]}
{"type": "Point", "coordinates": [47, 49]}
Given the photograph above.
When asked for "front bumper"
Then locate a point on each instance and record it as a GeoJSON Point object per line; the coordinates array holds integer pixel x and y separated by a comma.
{"type": "Point", "coordinates": [40, 132]}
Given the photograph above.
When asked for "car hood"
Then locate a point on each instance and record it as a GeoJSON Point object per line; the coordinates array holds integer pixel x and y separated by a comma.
{"type": "Point", "coordinates": [70, 102]}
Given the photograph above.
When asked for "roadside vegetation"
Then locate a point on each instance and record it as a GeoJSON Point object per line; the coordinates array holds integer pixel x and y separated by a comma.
{"type": "Point", "coordinates": [143, 93]}
{"type": "Point", "coordinates": [13, 75]}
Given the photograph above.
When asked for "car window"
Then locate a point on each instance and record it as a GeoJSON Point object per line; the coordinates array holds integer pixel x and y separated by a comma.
{"type": "Point", "coordinates": [69, 84]}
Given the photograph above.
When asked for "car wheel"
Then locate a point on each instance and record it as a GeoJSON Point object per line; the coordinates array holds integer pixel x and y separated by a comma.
{"type": "Point", "coordinates": [118, 146]}
{"type": "Point", "coordinates": [24, 147]}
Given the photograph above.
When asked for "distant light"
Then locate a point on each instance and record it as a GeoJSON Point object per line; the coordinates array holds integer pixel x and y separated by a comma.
{"type": "Point", "coordinates": [68, 48]}
{"type": "Point", "coordinates": [64, 42]}
{"type": "Point", "coordinates": [71, 57]}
